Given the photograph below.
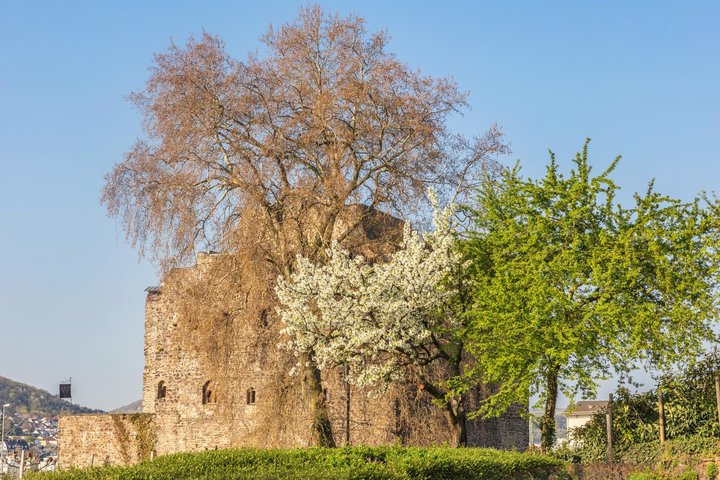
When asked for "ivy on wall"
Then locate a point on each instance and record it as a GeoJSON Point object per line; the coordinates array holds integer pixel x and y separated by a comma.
{"type": "Point", "coordinates": [144, 440]}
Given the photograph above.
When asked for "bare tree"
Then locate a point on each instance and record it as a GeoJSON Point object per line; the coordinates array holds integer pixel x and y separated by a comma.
{"type": "Point", "coordinates": [285, 142]}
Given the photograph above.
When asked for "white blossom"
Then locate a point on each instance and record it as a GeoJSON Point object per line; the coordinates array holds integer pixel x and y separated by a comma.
{"type": "Point", "coordinates": [375, 318]}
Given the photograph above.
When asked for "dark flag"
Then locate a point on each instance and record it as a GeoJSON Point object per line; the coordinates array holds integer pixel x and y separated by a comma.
{"type": "Point", "coordinates": [65, 390]}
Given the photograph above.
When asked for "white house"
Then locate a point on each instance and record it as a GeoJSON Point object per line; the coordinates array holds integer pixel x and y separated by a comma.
{"type": "Point", "coordinates": [583, 412]}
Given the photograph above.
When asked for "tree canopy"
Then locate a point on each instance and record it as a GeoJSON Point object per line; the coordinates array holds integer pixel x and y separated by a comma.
{"type": "Point", "coordinates": [265, 154]}
{"type": "Point", "coordinates": [327, 118]}
{"type": "Point", "coordinates": [570, 286]}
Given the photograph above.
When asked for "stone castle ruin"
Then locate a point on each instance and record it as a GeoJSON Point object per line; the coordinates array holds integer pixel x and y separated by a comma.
{"type": "Point", "coordinates": [216, 376]}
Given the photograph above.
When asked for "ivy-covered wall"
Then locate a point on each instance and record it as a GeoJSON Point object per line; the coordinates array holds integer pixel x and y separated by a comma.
{"type": "Point", "coordinates": [123, 439]}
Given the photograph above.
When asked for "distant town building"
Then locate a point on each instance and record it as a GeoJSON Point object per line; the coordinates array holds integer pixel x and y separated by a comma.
{"type": "Point", "coordinates": [14, 445]}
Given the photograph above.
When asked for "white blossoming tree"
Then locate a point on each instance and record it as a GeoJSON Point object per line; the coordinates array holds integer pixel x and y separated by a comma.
{"type": "Point", "coordinates": [384, 320]}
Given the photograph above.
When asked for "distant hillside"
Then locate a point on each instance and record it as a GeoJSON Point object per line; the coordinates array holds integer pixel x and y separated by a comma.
{"type": "Point", "coordinates": [26, 399]}
{"type": "Point", "coordinates": [135, 407]}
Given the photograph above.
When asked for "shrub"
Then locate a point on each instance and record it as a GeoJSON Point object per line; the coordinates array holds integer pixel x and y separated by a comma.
{"type": "Point", "coordinates": [690, 412]}
{"type": "Point", "coordinates": [649, 475]}
{"type": "Point", "coordinates": [711, 471]}
{"type": "Point", "coordinates": [688, 475]}
{"type": "Point", "coordinates": [651, 452]}
{"type": "Point", "coordinates": [352, 463]}
{"type": "Point", "coordinates": [645, 475]}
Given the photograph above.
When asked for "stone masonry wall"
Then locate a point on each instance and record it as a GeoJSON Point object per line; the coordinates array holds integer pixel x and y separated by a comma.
{"type": "Point", "coordinates": [508, 432]}
{"type": "Point", "coordinates": [123, 439]}
{"type": "Point", "coordinates": [181, 353]}
{"type": "Point", "coordinates": [236, 349]}
{"type": "Point", "coordinates": [212, 327]}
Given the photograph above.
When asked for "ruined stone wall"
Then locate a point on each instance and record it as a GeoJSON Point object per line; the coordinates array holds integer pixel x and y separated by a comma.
{"type": "Point", "coordinates": [197, 333]}
{"type": "Point", "coordinates": [204, 326]}
{"type": "Point", "coordinates": [173, 364]}
{"type": "Point", "coordinates": [511, 431]}
{"type": "Point", "coordinates": [508, 431]}
{"type": "Point", "coordinates": [213, 327]}
{"type": "Point", "coordinates": [123, 439]}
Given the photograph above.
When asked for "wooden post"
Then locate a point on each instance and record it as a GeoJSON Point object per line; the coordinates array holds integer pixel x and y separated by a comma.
{"type": "Point", "coordinates": [608, 427]}
{"type": "Point", "coordinates": [22, 464]}
{"type": "Point", "coordinates": [661, 415]}
{"type": "Point", "coordinates": [347, 403]}
{"type": "Point", "coordinates": [717, 393]}
{"type": "Point", "coordinates": [92, 460]}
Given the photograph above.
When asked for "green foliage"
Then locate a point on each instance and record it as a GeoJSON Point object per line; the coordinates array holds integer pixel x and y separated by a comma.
{"type": "Point", "coordinates": [146, 437]}
{"type": "Point", "coordinates": [711, 471]}
{"type": "Point", "coordinates": [688, 474]}
{"type": "Point", "coordinates": [652, 453]}
{"type": "Point", "coordinates": [675, 454]}
{"type": "Point", "coordinates": [690, 418]}
{"type": "Point", "coordinates": [377, 463]}
{"type": "Point", "coordinates": [635, 422]}
{"type": "Point", "coordinates": [572, 287]}
{"type": "Point", "coordinates": [690, 402]}
{"type": "Point", "coordinates": [644, 475]}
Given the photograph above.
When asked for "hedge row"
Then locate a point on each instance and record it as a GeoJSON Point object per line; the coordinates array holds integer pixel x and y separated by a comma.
{"type": "Point", "coordinates": [372, 463]}
{"type": "Point", "coordinates": [690, 447]}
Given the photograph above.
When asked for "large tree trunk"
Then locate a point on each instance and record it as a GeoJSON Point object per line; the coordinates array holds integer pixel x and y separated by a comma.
{"type": "Point", "coordinates": [547, 422]}
{"type": "Point", "coordinates": [321, 434]}
{"type": "Point", "coordinates": [454, 411]}
{"type": "Point", "coordinates": [458, 420]}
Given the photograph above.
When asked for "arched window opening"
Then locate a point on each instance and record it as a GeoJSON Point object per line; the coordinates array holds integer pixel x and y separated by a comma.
{"type": "Point", "coordinates": [161, 390]}
{"type": "Point", "coordinates": [250, 396]}
{"type": "Point", "coordinates": [208, 395]}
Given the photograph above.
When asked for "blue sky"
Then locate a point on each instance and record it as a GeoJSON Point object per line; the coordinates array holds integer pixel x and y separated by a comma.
{"type": "Point", "coordinates": [641, 78]}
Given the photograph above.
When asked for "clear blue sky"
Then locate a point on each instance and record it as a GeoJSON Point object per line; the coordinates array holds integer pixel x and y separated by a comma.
{"type": "Point", "coordinates": [641, 78]}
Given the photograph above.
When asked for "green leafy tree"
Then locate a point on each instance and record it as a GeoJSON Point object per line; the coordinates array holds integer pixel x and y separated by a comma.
{"type": "Point", "coordinates": [571, 287]}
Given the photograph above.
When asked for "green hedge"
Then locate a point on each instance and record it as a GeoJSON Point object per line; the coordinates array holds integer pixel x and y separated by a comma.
{"type": "Point", "coordinates": [371, 463]}
{"type": "Point", "coordinates": [644, 453]}
{"type": "Point", "coordinates": [651, 452]}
